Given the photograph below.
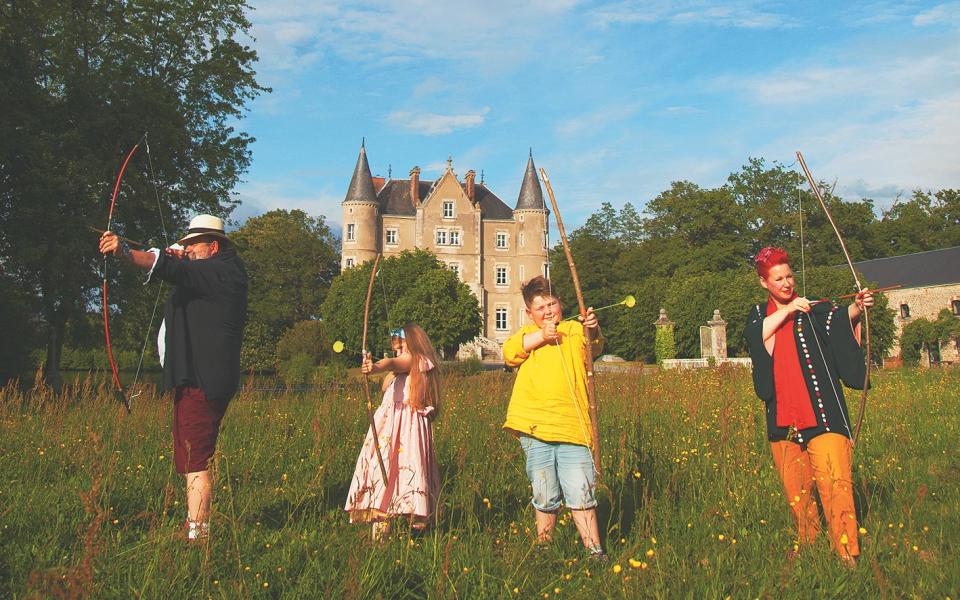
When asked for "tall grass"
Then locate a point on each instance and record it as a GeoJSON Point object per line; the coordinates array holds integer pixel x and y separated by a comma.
{"type": "Point", "coordinates": [690, 504]}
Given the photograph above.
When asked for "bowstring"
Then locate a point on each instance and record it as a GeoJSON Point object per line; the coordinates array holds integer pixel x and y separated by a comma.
{"type": "Point", "coordinates": [568, 378]}
{"type": "Point", "coordinates": [156, 302]}
{"type": "Point", "coordinates": [813, 329]}
{"type": "Point", "coordinates": [803, 261]}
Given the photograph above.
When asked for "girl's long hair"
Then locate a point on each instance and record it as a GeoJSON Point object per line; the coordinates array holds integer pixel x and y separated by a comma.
{"type": "Point", "coordinates": [424, 385]}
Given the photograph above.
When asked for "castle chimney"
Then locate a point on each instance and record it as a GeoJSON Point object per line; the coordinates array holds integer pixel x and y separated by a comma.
{"type": "Point", "coordinates": [471, 190]}
{"type": "Point", "coordinates": [415, 186]}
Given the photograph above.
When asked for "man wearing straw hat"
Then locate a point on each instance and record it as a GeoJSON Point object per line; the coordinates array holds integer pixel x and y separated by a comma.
{"type": "Point", "coordinates": [199, 345]}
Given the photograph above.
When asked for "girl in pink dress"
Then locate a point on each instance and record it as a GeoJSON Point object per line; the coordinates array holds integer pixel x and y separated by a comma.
{"type": "Point", "coordinates": [403, 421]}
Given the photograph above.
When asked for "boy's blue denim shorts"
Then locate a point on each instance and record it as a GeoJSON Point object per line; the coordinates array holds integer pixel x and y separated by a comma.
{"type": "Point", "coordinates": [554, 467]}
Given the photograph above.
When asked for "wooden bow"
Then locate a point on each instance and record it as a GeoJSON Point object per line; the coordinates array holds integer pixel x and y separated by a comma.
{"type": "Point", "coordinates": [860, 290]}
{"type": "Point", "coordinates": [118, 388]}
{"type": "Point", "coordinates": [588, 354]}
{"type": "Point", "coordinates": [366, 380]}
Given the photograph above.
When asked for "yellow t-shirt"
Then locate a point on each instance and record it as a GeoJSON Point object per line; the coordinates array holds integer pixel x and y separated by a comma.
{"type": "Point", "coordinates": [549, 400]}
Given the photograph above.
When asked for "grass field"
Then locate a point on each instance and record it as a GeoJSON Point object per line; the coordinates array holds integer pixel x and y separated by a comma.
{"type": "Point", "coordinates": [90, 504]}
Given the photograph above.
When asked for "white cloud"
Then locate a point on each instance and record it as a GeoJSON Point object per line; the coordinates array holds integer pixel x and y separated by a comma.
{"type": "Point", "coordinates": [426, 123]}
{"type": "Point", "coordinates": [914, 148]}
{"type": "Point", "coordinates": [742, 14]}
{"type": "Point", "coordinates": [596, 120]}
{"type": "Point", "coordinates": [942, 14]}
{"type": "Point", "coordinates": [294, 34]}
{"type": "Point", "coordinates": [260, 196]}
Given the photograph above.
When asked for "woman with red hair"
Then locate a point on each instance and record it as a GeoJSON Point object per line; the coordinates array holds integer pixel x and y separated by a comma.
{"type": "Point", "coordinates": [802, 350]}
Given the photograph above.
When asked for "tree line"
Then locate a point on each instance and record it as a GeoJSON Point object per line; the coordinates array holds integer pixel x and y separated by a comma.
{"type": "Point", "coordinates": [690, 250]}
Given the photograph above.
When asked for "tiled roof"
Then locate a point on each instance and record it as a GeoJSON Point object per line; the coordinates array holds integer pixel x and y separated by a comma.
{"type": "Point", "coordinates": [395, 199]}
{"type": "Point", "coordinates": [491, 207]}
{"type": "Point", "coordinates": [531, 195]}
{"type": "Point", "coordinates": [361, 184]}
{"type": "Point", "coordinates": [935, 267]}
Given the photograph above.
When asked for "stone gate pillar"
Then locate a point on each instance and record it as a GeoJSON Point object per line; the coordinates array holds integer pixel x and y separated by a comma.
{"type": "Point", "coordinates": [718, 335]}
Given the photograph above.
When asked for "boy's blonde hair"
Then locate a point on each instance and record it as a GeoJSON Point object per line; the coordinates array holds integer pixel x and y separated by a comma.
{"type": "Point", "coordinates": [538, 286]}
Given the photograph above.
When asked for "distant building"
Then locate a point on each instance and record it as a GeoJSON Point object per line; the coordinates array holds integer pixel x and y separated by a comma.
{"type": "Point", "coordinates": [491, 247]}
{"type": "Point", "coordinates": [931, 283]}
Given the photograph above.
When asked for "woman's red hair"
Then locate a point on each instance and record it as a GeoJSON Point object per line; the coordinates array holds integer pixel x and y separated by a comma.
{"type": "Point", "coordinates": [768, 258]}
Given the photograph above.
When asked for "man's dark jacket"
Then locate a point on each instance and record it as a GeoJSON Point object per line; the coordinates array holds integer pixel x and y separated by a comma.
{"type": "Point", "coordinates": [204, 316]}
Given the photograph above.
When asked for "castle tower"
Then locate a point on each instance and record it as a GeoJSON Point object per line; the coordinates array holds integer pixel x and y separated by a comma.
{"type": "Point", "coordinates": [361, 222]}
{"type": "Point", "coordinates": [533, 226]}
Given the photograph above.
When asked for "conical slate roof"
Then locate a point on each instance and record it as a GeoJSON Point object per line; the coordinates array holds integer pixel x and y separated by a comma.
{"type": "Point", "coordinates": [361, 185]}
{"type": "Point", "coordinates": [531, 195]}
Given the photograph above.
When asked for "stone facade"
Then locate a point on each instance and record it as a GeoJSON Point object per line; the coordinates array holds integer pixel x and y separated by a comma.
{"type": "Point", "coordinates": [924, 302]}
{"type": "Point", "coordinates": [493, 249]}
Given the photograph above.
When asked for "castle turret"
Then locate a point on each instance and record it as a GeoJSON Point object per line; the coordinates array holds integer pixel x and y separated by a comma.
{"type": "Point", "coordinates": [533, 226]}
{"type": "Point", "coordinates": [361, 225]}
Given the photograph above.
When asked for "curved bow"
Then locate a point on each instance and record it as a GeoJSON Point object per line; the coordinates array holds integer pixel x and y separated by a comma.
{"type": "Point", "coordinates": [118, 387]}
{"type": "Point", "coordinates": [587, 356]}
{"type": "Point", "coordinates": [366, 381]}
{"type": "Point", "coordinates": [860, 290]}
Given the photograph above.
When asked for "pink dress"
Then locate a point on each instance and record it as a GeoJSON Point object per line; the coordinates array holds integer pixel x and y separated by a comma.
{"type": "Point", "coordinates": [406, 443]}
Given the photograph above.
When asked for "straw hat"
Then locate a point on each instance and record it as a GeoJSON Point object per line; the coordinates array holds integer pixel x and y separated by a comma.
{"type": "Point", "coordinates": [204, 225]}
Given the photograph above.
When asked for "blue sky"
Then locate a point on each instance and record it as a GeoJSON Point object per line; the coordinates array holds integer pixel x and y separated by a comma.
{"type": "Point", "coordinates": [617, 99]}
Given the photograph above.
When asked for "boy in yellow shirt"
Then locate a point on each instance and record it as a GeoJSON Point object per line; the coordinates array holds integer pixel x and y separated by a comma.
{"type": "Point", "coordinates": [548, 412]}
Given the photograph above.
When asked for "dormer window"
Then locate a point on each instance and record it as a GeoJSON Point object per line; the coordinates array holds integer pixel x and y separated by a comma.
{"type": "Point", "coordinates": [448, 209]}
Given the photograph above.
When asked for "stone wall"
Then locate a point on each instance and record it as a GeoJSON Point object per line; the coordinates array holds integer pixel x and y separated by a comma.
{"type": "Point", "coordinates": [923, 302]}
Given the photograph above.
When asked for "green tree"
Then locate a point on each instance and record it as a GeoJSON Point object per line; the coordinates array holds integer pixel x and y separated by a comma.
{"type": "Point", "coordinates": [770, 197]}
{"type": "Point", "coordinates": [81, 83]}
{"type": "Point", "coordinates": [412, 286]}
{"type": "Point", "coordinates": [917, 337]}
{"type": "Point", "coordinates": [946, 208]}
{"type": "Point", "coordinates": [443, 305]}
{"type": "Point", "coordinates": [16, 315]}
{"type": "Point", "coordinates": [291, 260]}
{"type": "Point", "coordinates": [302, 349]}
{"type": "Point", "coordinates": [706, 228]}
{"type": "Point", "coordinates": [629, 333]}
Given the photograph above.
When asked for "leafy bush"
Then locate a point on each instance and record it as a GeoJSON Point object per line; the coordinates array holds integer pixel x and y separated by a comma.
{"type": "Point", "coordinates": [298, 370]}
{"type": "Point", "coordinates": [664, 346]}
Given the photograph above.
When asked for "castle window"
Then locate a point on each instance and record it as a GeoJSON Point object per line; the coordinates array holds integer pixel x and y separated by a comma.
{"type": "Point", "coordinates": [455, 267]}
{"type": "Point", "coordinates": [441, 237]}
{"type": "Point", "coordinates": [448, 209]}
{"type": "Point", "coordinates": [455, 238]}
{"type": "Point", "coordinates": [348, 263]}
{"type": "Point", "coordinates": [546, 270]}
{"type": "Point", "coordinates": [522, 273]}
{"type": "Point", "coordinates": [391, 237]}
{"type": "Point", "coordinates": [520, 239]}
{"type": "Point", "coordinates": [904, 311]}
{"type": "Point", "coordinates": [501, 319]}
{"type": "Point", "coordinates": [546, 240]}
{"type": "Point", "coordinates": [351, 232]}
{"type": "Point", "coordinates": [501, 240]}
{"type": "Point", "coordinates": [956, 307]}
{"type": "Point", "coordinates": [501, 275]}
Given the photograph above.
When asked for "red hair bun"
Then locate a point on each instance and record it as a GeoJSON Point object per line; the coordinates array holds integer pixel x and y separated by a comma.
{"type": "Point", "coordinates": [768, 258]}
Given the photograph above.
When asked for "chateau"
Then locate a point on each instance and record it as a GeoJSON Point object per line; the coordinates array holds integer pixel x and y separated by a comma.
{"type": "Point", "coordinates": [491, 247]}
